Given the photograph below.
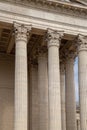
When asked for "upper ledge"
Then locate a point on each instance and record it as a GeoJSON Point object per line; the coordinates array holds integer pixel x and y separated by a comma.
{"type": "Point", "coordinates": [75, 3]}
{"type": "Point", "coordinates": [74, 7]}
{"type": "Point", "coordinates": [72, 3]}
{"type": "Point", "coordinates": [84, 2]}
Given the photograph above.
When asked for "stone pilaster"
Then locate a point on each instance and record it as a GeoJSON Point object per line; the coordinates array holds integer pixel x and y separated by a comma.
{"type": "Point", "coordinates": [34, 104]}
{"type": "Point", "coordinates": [21, 106]}
{"type": "Point", "coordinates": [62, 84]}
{"type": "Point", "coordinates": [70, 94]}
{"type": "Point", "coordinates": [82, 70]}
{"type": "Point", "coordinates": [43, 91]}
{"type": "Point", "coordinates": [54, 38]}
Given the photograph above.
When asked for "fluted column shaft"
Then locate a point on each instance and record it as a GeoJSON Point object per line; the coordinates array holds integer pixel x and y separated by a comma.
{"type": "Point", "coordinates": [82, 70]}
{"type": "Point", "coordinates": [54, 80]}
{"type": "Point", "coordinates": [70, 95]}
{"type": "Point", "coordinates": [34, 106]}
{"type": "Point", "coordinates": [43, 91]}
{"type": "Point", "coordinates": [62, 84]}
{"type": "Point", "coordinates": [20, 121]}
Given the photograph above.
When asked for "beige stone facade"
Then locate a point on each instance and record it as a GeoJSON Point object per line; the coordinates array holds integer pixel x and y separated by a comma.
{"type": "Point", "coordinates": [39, 41]}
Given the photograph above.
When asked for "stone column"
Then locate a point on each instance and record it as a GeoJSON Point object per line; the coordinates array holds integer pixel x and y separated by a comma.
{"type": "Point", "coordinates": [78, 124]}
{"type": "Point", "coordinates": [82, 71]}
{"type": "Point", "coordinates": [34, 113]}
{"type": "Point", "coordinates": [21, 96]}
{"type": "Point", "coordinates": [62, 84]}
{"type": "Point", "coordinates": [43, 91]}
{"type": "Point", "coordinates": [70, 94]}
{"type": "Point", "coordinates": [54, 38]}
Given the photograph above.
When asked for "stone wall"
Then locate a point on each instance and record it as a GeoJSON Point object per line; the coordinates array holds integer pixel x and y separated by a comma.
{"type": "Point", "coordinates": [6, 92]}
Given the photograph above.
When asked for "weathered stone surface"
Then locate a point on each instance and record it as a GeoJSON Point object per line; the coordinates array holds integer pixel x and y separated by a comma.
{"type": "Point", "coordinates": [6, 92]}
{"type": "Point", "coordinates": [62, 86]}
{"type": "Point", "coordinates": [70, 94]}
{"type": "Point", "coordinates": [54, 80]}
{"type": "Point", "coordinates": [43, 92]}
{"type": "Point", "coordinates": [34, 98]}
{"type": "Point", "coordinates": [21, 80]}
{"type": "Point", "coordinates": [82, 65]}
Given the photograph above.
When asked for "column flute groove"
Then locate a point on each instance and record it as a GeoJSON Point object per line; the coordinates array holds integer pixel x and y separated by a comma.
{"type": "Point", "coordinates": [82, 71]}
{"type": "Point", "coordinates": [21, 86]}
{"type": "Point", "coordinates": [54, 38]}
{"type": "Point", "coordinates": [70, 93]}
{"type": "Point", "coordinates": [62, 84]}
{"type": "Point", "coordinates": [34, 100]}
{"type": "Point", "coordinates": [43, 91]}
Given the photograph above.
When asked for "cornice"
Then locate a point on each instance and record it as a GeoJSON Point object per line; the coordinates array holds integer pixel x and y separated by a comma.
{"type": "Point", "coordinates": [54, 6]}
{"type": "Point", "coordinates": [84, 2]}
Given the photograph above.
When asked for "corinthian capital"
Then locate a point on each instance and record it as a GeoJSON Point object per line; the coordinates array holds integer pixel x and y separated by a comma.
{"type": "Point", "coordinates": [21, 31]}
{"type": "Point", "coordinates": [54, 37]}
{"type": "Point", "coordinates": [82, 42]}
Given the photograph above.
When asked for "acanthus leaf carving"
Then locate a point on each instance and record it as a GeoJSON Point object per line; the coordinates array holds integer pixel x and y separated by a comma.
{"type": "Point", "coordinates": [21, 31]}
{"type": "Point", "coordinates": [54, 37]}
{"type": "Point", "coordinates": [82, 42]}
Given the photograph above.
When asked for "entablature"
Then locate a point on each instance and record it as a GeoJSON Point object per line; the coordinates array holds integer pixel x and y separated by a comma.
{"type": "Point", "coordinates": [77, 8]}
{"type": "Point", "coordinates": [42, 19]}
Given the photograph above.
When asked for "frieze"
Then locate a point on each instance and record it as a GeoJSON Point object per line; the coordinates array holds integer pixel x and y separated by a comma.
{"type": "Point", "coordinates": [61, 7]}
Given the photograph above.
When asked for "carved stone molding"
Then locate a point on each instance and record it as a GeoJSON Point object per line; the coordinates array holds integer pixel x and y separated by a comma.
{"type": "Point", "coordinates": [57, 6]}
{"type": "Point", "coordinates": [21, 31]}
{"type": "Point", "coordinates": [54, 37]}
{"type": "Point", "coordinates": [82, 42]}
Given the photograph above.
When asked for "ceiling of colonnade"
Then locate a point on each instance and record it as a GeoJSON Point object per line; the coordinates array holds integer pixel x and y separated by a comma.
{"type": "Point", "coordinates": [35, 44]}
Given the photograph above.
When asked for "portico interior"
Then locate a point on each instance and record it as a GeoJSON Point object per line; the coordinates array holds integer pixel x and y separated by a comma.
{"type": "Point", "coordinates": [37, 43]}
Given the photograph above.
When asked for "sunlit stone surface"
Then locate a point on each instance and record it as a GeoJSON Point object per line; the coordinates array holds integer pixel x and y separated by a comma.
{"type": "Point", "coordinates": [36, 39]}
